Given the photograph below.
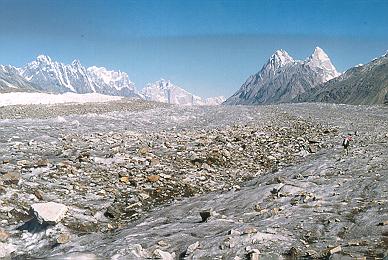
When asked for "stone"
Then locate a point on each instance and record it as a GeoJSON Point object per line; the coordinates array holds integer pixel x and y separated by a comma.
{"type": "Point", "coordinates": [335, 250]}
{"type": "Point", "coordinates": [191, 248]}
{"type": "Point", "coordinates": [10, 178]}
{"type": "Point", "coordinates": [254, 254]}
{"type": "Point", "coordinates": [383, 223]}
{"type": "Point", "coordinates": [124, 179]}
{"type": "Point", "coordinates": [162, 243]}
{"type": "Point", "coordinates": [294, 252]}
{"type": "Point", "coordinates": [163, 255]}
{"type": "Point", "coordinates": [63, 238]}
{"type": "Point", "coordinates": [312, 148]}
{"type": "Point", "coordinates": [6, 250]}
{"type": "Point", "coordinates": [50, 213]}
{"type": "Point", "coordinates": [234, 232]}
{"type": "Point", "coordinates": [42, 163]}
{"type": "Point", "coordinates": [205, 215]}
{"type": "Point", "coordinates": [38, 194]}
{"type": "Point", "coordinates": [312, 254]}
{"type": "Point", "coordinates": [144, 150]}
{"type": "Point", "coordinates": [3, 235]}
{"type": "Point", "coordinates": [153, 178]}
{"type": "Point", "coordinates": [249, 230]}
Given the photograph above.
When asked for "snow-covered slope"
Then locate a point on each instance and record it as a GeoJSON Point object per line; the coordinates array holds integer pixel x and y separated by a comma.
{"type": "Point", "coordinates": [321, 63]}
{"type": "Point", "coordinates": [166, 92]}
{"type": "Point", "coordinates": [24, 98]}
{"type": "Point", "coordinates": [282, 79]}
{"type": "Point", "coordinates": [11, 81]}
{"type": "Point", "coordinates": [361, 85]}
{"type": "Point", "coordinates": [53, 76]}
{"type": "Point", "coordinates": [114, 81]}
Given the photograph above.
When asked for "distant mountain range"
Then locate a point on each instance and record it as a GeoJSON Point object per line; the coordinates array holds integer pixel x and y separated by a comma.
{"type": "Point", "coordinates": [282, 79]}
{"type": "Point", "coordinates": [166, 92]}
{"type": "Point", "coordinates": [45, 75]}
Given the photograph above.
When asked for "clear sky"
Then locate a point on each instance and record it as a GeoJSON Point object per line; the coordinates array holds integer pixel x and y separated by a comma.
{"type": "Point", "coordinates": [207, 47]}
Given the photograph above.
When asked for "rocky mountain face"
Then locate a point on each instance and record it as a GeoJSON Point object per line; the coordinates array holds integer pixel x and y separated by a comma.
{"type": "Point", "coordinates": [166, 92]}
{"type": "Point", "coordinates": [54, 76]}
{"type": "Point", "coordinates": [111, 82]}
{"type": "Point", "coordinates": [11, 81]}
{"type": "Point", "coordinates": [45, 74]}
{"type": "Point", "coordinates": [282, 79]}
{"type": "Point", "coordinates": [363, 84]}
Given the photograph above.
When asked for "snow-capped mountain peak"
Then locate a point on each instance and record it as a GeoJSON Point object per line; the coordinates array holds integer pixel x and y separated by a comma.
{"type": "Point", "coordinates": [76, 63]}
{"type": "Point", "coordinates": [53, 76]}
{"type": "Point", "coordinates": [319, 54]}
{"type": "Point", "coordinates": [321, 61]}
{"type": "Point", "coordinates": [162, 84]}
{"type": "Point", "coordinates": [282, 78]}
{"type": "Point", "coordinates": [43, 59]}
{"type": "Point", "coordinates": [166, 92]}
{"type": "Point", "coordinates": [116, 79]}
{"type": "Point", "coordinates": [279, 59]}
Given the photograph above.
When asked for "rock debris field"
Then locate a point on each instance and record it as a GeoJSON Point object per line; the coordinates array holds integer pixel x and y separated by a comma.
{"type": "Point", "coordinates": [138, 180]}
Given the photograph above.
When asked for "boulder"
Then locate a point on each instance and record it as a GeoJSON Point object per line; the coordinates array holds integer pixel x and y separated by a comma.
{"type": "Point", "coordinates": [6, 250]}
{"type": "Point", "coordinates": [164, 255]}
{"type": "Point", "coordinates": [10, 178]}
{"type": "Point", "coordinates": [3, 235]}
{"type": "Point", "coordinates": [49, 213]}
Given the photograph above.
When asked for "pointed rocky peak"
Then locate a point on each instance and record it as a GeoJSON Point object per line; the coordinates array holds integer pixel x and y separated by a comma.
{"type": "Point", "coordinates": [163, 83]}
{"type": "Point", "coordinates": [279, 59]}
{"type": "Point", "coordinates": [321, 61]}
{"type": "Point", "coordinates": [76, 63]}
{"type": "Point", "coordinates": [319, 54]}
{"type": "Point", "coordinates": [43, 59]}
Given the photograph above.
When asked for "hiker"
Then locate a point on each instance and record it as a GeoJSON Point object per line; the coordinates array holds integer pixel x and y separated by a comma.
{"type": "Point", "coordinates": [346, 142]}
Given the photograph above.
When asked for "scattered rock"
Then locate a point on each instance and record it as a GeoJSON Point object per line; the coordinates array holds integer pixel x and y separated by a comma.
{"type": "Point", "coordinates": [205, 215]}
{"type": "Point", "coordinates": [159, 254]}
{"type": "Point", "coordinates": [124, 179]}
{"type": "Point", "coordinates": [10, 178]}
{"type": "Point", "coordinates": [144, 150]}
{"type": "Point", "coordinates": [334, 250]}
{"type": "Point", "coordinates": [254, 254]}
{"type": "Point", "coordinates": [153, 178]}
{"type": "Point", "coordinates": [6, 250]}
{"type": "Point", "coordinates": [162, 243]}
{"type": "Point", "coordinates": [312, 148]}
{"type": "Point", "coordinates": [63, 238]}
{"type": "Point", "coordinates": [38, 194]}
{"type": "Point", "coordinates": [50, 213]}
{"type": "Point", "coordinates": [42, 163]}
{"type": "Point", "coordinates": [249, 230]}
{"type": "Point", "coordinates": [191, 248]}
{"type": "Point", "coordinates": [234, 232]}
{"type": "Point", "coordinates": [3, 235]}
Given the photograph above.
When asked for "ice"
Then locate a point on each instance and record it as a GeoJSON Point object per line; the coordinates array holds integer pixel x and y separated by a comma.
{"type": "Point", "coordinates": [24, 98]}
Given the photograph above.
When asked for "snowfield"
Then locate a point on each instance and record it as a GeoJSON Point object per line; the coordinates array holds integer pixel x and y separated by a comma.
{"type": "Point", "coordinates": [24, 98]}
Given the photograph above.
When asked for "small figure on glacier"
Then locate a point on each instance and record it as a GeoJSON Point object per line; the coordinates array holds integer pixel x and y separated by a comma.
{"type": "Point", "coordinates": [346, 142]}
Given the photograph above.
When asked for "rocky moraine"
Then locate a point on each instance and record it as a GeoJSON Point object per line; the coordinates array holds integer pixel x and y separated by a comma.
{"type": "Point", "coordinates": [134, 179]}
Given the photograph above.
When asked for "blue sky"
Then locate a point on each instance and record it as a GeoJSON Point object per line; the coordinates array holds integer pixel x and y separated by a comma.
{"type": "Point", "coordinates": [208, 47]}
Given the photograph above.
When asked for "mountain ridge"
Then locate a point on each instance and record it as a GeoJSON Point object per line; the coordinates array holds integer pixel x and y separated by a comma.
{"type": "Point", "coordinates": [360, 85]}
{"type": "Point", "coordinates": [54, 76]}
{"type": "Point", "coordinates": [282, 79]}
{"type": "Point", "coordinates": [166, 92]}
